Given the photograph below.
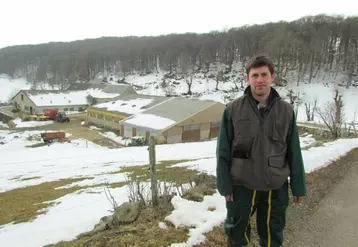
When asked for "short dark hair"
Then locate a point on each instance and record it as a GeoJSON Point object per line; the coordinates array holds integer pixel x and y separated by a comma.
{"type": "Point", "coordinates": [258, 61]}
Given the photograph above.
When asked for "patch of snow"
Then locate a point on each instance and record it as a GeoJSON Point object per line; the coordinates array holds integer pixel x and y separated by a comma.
{"type": "Point", "coordinates": [94, 128]}
{"type": "Point", "coordinates": [72, 215]}
{"type": "Point", "coordinates": [150, 121]}
{"type": "Point", "coordinates": [162, 225]}
{"type": "Point", "coordinates": [114, 137]}
{"type": "Point", "coordinates": [197, 216]}
{"type": "Point", "coordinates": [306, 140]}
{"type": "Point", "coordinates": [68, 98]}
{"type": "Point", "coordinates": [126, 106]}
{"type": "Point", "coordinates": [3, 125]}
{"type": "Point", "coordinates": [29, 124]}
{"type": "Point", "coordinates": [72, 112]}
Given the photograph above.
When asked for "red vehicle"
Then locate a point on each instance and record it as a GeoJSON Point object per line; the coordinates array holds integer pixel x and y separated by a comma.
{"type": "Point", "coordinates": [50, 113]}
{"type": "Point", "coordinates": [55, 115]}
{"type": "Point", "coordinates": [49, 137]}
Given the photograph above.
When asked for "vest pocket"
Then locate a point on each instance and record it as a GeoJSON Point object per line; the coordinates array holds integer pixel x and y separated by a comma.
{"type": "Point", "coordinates": [241, 169]}
{"type": "Point", "coordinates": [277, 160]}
{"type": "Point", "coordinates": [277, 132]}
{"type": "Point", "coordinates": [278, 169]}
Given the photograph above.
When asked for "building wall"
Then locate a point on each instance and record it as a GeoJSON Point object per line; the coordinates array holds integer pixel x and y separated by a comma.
{"type": "Point", "coordinates": [26, 105]}
{"type": "Point", "coordinates": [105, 119]}
{"type": "Point", "coordinates": [201, 126]}
{"type": "Point", "coordinates": [204, 131]}
{"type": "Point", "coordinates": [133, 130]}
{"type": "Point", "coordinates": [23, 102]}
{"type": "Point", "coordinates": [39, 110]}
{"type": "Point", "coordinates": [103, 100]}
{"type": "Point", "coordinates": [210, 114]}
{"type": "Point", "coordinates": [174, 134]}
{"type": "Point", "coordinates": [112, 125]}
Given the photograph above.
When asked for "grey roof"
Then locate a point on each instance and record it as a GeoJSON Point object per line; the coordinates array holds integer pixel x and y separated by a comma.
{"type": "Point", "coordinates": [125, 97]}
{"type": "Point", "coordinates": [96, 81]}
{"type": "Point", "coordinates": [107, 88]}
{"type": "Point", "coordinates": [178, 109]}
{"type": "Point", "coordinates": [112, 88]}
{"type": "Point", "coordinates": [130, 96]}
{"type": "Point", "coordinates": [85, 86]}
{"type": "Point", "coordinates": [36, 92]}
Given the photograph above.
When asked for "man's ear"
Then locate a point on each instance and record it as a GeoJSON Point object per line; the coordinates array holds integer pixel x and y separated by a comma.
{"type": "Point", "coordinates": [273, 77]}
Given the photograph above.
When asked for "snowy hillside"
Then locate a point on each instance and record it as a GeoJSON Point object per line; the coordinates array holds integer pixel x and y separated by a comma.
{"type": "Point", "coordinates": [231, 85]}
{"type": "Point", "coordinates": [204, 85]}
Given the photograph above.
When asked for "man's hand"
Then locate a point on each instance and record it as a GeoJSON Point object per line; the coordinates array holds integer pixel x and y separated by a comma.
{"type": "Point", "coordinates": [229, 198]}
{"type": "Point", "coordinates": [298, 199]}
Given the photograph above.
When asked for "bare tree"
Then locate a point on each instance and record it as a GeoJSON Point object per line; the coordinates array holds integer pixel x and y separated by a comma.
{"type": "Point", "coordinates": [310, 110]}
{"type": "Point", "coordinates": [295, 100]}
{"type": "Point", "coordinates": [189, 81]}
{"type": "Point", "coordinates": [219, 78]}
{"type": "Point", "coordinates": [333, 115]}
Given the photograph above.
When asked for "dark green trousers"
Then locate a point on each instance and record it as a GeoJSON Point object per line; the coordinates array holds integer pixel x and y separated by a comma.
{"type": "Point", "coordinates": [270, 208]}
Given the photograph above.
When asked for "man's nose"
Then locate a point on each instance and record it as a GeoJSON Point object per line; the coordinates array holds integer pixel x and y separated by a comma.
{"type": "Point", "coordinates": [260, 78]}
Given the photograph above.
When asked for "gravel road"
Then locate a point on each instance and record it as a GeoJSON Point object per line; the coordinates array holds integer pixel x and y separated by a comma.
{"type": "Point", "coordinates": [331, 221]}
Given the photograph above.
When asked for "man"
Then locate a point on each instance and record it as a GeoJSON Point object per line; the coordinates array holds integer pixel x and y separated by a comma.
{"type": "Point", "coordinates": [258, 149]}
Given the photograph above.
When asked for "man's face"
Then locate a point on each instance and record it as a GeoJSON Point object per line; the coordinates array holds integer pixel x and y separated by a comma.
{"type": "Point", "coordinates": [260, 80]}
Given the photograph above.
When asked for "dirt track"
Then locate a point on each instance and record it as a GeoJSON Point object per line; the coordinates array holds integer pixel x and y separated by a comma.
{"type": "Point", "coordinates": [75, 128]}
{"type": "Point", "coordinates": [335, 222]}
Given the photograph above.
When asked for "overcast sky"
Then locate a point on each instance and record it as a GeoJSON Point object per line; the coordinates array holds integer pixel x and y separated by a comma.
{"type": "Point", "coordinates": [42, 21]}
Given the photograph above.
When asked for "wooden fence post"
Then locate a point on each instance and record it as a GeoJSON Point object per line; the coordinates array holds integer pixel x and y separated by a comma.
{"type": "Point", "coordinates": [153, 177]}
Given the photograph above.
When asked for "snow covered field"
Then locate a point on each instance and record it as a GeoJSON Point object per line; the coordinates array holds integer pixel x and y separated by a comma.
{"type": "Point", "coordinates": [78, 212]}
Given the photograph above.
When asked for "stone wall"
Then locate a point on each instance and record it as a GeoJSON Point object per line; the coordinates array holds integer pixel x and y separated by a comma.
{"type": "Point", "coordinates": [323, 132]}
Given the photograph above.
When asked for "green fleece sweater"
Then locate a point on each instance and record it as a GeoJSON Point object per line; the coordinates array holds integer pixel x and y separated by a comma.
{"type": "Point", "coordinates": [223, 152]}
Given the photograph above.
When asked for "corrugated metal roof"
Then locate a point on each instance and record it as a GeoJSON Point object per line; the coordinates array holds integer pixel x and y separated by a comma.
{"type": "Point", "coordinates": [179, 109]}
{"type": "Point", "coordinates": [155, 100]}
{"type": "Point", "coordinates": [84, 86]}
{"type": "Point", "coordinates": [37, 92]}
{"type": "Point", "coordinates": [109, 88]}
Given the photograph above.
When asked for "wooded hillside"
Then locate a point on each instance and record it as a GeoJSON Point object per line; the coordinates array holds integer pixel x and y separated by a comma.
{"type": "Point", "coordinates": [305, 45]}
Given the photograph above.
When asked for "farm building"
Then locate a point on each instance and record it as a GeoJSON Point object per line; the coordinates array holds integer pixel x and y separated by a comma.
{"type": "Point", "coordinates": [35, 101]}
{"type": "Point", "coordinates": [177, 120]}
{"type": "Point", "coordinates": [84, 86]}
{"type": "Point", "coordinates": [109, 114]}
{"type": "Point", "coordinates": [107, 88]}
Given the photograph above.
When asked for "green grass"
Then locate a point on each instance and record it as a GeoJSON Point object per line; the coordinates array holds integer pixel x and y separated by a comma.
{"type": "Point", "coordinates": [24, 204]}
{"type": "Point", "coordinates": [165, 172]}
{"type": "Point", "coordinates": [145, 232]}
